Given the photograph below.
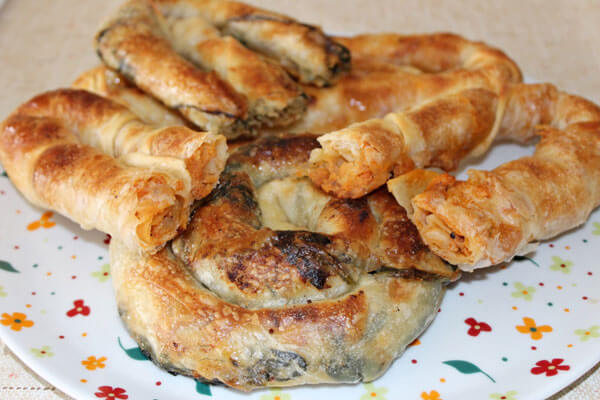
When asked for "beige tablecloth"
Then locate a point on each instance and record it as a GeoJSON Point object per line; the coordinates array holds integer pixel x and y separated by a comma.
{"type": "Point", "coordinates": [46, 43]}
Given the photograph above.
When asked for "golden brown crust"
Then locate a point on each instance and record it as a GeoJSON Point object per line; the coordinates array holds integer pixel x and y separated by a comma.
{"type": "Point", "coordinates": [304, 50]}
{"type": "Point", "coordinates": [273, 157]}
{"type": "Point", "coordinates": [273, 98]}
{"type": "Point", "coordinates": [134, 44]}
{"type": "Point", "coordinates": [188, 330]}
{"type": "Point", "coordinates": [447, 104]}
{"type": "Point", "coordinates": [334, 299]}
{"type": "Point", "coordinates": [195, 157]}
{"type": "Point", "coordinates": [110, 84]}
{"type": "Point", "coordinates": [531, 105]}
{"type": "Point", "coordinates": [392, 73]}
{"type": "Point", "coordinates": [53, 170]}
{"type": "Point", "coordinates": [431, 53]}
{"type": "Point", "coordinates": [178, 51]}
{"type": "Point", "coordinates": [494, 215]}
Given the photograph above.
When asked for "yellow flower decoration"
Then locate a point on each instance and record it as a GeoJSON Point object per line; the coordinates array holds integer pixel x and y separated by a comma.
{"type": "Point", "coordinates": [532, 329]}
{"type": "Point", "coordinates": [276, 394]}
{"type": "Point", "coordinates": [587, 334]}
{"type": "Point", "coordinates": [433, 395]}
{"type": "Point", "coordinates": [510, 395]}
{"type": "Point", "coordinates": [374, 393]}
{"type": "Point", "coordinates": [526, 292]}
{"type": "Point", "coordinates": [561, 265]}
{"type": "Point", "coordinates": [42, 352]}
{"type": "Point", "coordinates": [16, 321]}
{"type": "Point", "coordinates": [92, 363]}
{"type": "Point", "coordinates": [103, 274]}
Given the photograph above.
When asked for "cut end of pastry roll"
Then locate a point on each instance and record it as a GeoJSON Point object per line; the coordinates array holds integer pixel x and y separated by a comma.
{"type": "Point", "coordinates": [203, 155]}
{"type": "Point", "coordinates": [303, 50]}
{"type": "Point", "coordinates": [206, 164]}
{"type": "Point", "coordinates": [472, 224]}
{"type": "Point", "coordinates": [407, 186]}
{"type": "Point", "coordinates": [263, 114]}
{"type": "Point", "coordinates": [357, 160]}
{"type": "Point", "coordinates": [161, 213]}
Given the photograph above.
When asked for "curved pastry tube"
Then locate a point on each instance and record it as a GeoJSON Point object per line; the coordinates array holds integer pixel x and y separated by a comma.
{"type": "Point", "coordinates": [495, 215]}
{"type": "Point", "coordinates": [110, 84]}
{"type": "Point", "coordinates": [433, 53]}
{"type": "Point", "coordinates": [531, 105]}
{"type": "Point", "coordinates": [358, 159]}
{"type": "Point", "coordinates": [273, 98]}
{"type": "Point", "coordinates": [112, 128]}
{"type": "Point", "coordinates": [189, 330]}
{"type": "Point", "coordinates": [52, 169]}
{"type": "Point", "coordinates": [304, 50]}
{"type": "Point", "coordinates": [393, 73]}
{"type": "Point", "coordinates": [134, 43]}
{"type": "Point", "coordinates": [448, 97]}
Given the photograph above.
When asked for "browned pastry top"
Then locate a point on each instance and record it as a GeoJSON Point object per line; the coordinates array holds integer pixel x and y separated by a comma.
{"type": "Point", "coordinates": [275, 283]}
{"type": "Point", "coordinates": [221, 64]}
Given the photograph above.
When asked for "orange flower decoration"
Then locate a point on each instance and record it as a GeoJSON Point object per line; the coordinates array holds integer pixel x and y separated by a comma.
{"type": "Point", "coordinates": [16, 321]}
{"type": "Point", "coordinates": [433, 395]}
{"type": "Point", "coordinates": [43, 222]}
{"type": "Point", "coordinates": [532, 329]}
{"type": "Point", "coordinates": [92, 363]}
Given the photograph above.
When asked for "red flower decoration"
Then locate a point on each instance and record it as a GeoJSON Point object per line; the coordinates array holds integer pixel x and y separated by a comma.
{"type": "Point", "coordinates": [550, 368]}
{"type": "Point", "coordinates": [477, 327]}
{"type": "Point", "coordinates": [111, 393]}
{"type": "Point", "coordinates": [79, 308]}
{"type": "Point", "coordinates": [107, 239]}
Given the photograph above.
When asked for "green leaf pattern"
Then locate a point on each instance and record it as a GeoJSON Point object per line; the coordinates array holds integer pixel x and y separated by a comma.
{"type": "Point", "coordinates": [134, 352]}
{"type": "Point", "coordinates": [203, 388]}
{"type": "Point", "coordinates": [466, 367]}
{"type": "Point", "coordinates": [6, 266]}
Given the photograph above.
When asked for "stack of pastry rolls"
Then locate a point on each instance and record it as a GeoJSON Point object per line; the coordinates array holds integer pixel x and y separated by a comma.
{"type": "Point", "coordinates": [111, 155]}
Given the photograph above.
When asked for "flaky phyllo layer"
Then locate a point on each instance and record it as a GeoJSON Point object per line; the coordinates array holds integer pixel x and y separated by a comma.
{"type": "Point", "coordinates": [276, 283]}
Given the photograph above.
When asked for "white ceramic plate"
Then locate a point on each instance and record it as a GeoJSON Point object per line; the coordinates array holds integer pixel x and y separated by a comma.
{"type": "Point", "coordinates": [59, 316]}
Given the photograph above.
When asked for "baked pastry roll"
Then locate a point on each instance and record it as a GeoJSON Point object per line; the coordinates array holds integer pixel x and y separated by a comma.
{"type": "Point", "coordinates": [497, 214]}
{"type": "Point", "coordinates": [361, 157]}
{"type": "Point", "coordinates": [272, 97]}
{"type": "Point", "coordinates": [447, 108]}
{"type": "Point", "coordinates": [112, 85]}
{"type": "Point", "coordinates": [276, 283]}
{"type": "Point", "coordinates": [197, 158]}
{"type": "Point", "coordinates": [133, 42]}
{"type": "Point", "coordinates": [303, 50]}
{"type": "Point", "coordinates": [178, 52]}
{"type": "Point", "coordinates": [52, 169]}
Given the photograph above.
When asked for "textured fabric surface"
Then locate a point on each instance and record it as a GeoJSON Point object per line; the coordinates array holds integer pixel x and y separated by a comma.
{"type": "Point", "coordinates": [45, 44]}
